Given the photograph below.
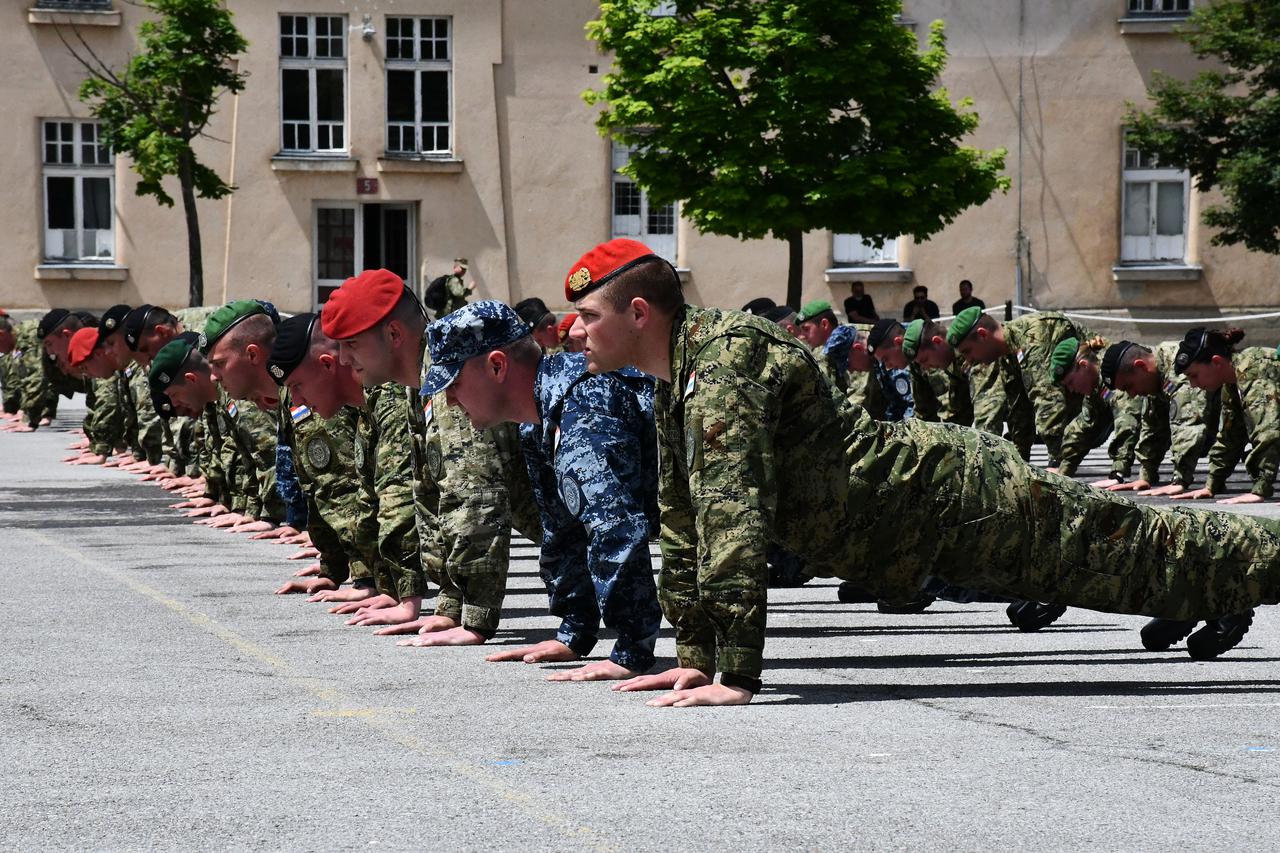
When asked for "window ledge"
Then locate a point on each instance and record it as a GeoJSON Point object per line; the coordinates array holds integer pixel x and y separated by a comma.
{"type": "Point", "coordinates": [311, 163]}
{"type": "Point", "coordinates": [684, 273]}
{"type": "Point", "coordinates": [1157, 272]}
{"type": "Point", "coordinates": [445, 165]}
{"type": "Point", "coordinates": [82, 18]}
{"type": "Point", "coordinates": [54, 271]}
{"type": "Point", "coordinates": [1141, 26]}
{"type": "Point", "coordinates": [890, 274]}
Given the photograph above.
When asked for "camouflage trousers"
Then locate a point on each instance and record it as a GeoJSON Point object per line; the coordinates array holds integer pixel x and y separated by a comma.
{"type": "Point", "coordinates": [994, 523]}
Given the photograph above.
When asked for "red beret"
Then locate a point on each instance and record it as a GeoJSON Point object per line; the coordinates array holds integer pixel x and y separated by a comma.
{"type": "Point", "coordinates": [599, 266]}
{"type": "Point", "coordinates": [81, 345]}
{"type": "Point", "coordinates": [562, 330]}
{"type": "Point", "coordinates": [361, 303]}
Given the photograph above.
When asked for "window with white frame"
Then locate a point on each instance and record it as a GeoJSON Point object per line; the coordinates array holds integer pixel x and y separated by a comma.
{"type": "Point", "coordinates": [850, 250]}
{"type": "Point", "coordinates": [1154, 214]}
{"type": "Point", "coordinates": [313, 83]}
{"type": "Point", "coordinates": [635, 217]}
{"type": "Point", "coordinates": [350, 237]}
{"type": "Point", "coordinates": [1163, 8]}
{"type": "Point", "coordinates": [664, 9]}
{"type": "Point", "coordinates": [419, 85]}
{"type": "Point", "coordinates": [79, 192]}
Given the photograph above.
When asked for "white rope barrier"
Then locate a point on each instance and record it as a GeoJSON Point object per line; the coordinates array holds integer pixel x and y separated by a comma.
{"type": "Point", "coordinates": [1186, 321]}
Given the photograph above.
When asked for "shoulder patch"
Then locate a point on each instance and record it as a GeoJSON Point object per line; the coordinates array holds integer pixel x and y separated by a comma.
{"type": "Point", "coordinates": [1020, 355]}
{"type": "Point", "coordinates": [427, 413]}
{"type": "Point", "coordinates": [232, 408]}
{"type": "Point", "coordinates": [689, 386]}
{"type": "Point", "coordinates": [300, 413]}
{"type": "Point", "coordinates": [1107, 394]}
{"type": "Point", "coordinates": [571, 494]}
{"type": "Point", "coordinates": [1170, 386]}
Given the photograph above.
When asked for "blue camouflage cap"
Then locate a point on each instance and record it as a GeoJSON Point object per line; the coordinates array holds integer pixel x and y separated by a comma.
{"type": "Point", "coordinates": [472, 330]}
{"type": "Point", "coordinates": [841, 341]}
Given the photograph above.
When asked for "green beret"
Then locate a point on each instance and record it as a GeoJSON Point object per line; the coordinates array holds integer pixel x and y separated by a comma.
{"type": "Point", "coordinates": [225, 318]}
{"type": "Point", "coordinates": [1063, 356]}
{"type": "Point", "coordinates": [963, 324]}
{"type": "Point", "coordinates": [911, 339]}
{"type": "Point", "coordinates": [812, 309]}
{"type": "Point", "coordinates": [168, 362]}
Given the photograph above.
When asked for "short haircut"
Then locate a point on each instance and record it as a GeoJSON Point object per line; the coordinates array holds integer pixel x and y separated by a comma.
{"type": "Point", "coordinates": [986, 321]}
{"type": "Point", "coordinates": [257, 329]}
{"type": "Point", "coordinates": [158, 316]}
{"type": "Point", "coordinates": [653, 280]}
{"type": "Point", "coordinates": [965, 281]}
{"type": "Point", "coordinates": [195, 362]}
{"type": "Point", "coordinates": [525, 351]}
{"type": "Point", "coordinates": [408, 311]}
{"type": "Point", "coordinates": [1132, 354]}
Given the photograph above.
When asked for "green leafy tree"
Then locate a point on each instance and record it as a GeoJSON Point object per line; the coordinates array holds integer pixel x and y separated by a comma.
{"type": "Point", "coordinates": [777, 117]}
{"type": "Point", "coordinates": [163, 99]}
{"type": "Point", "coordinates": [1223, 125]}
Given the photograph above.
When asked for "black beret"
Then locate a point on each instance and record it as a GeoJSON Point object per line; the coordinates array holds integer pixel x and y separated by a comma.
{"type": "Point", "coordinates": [87, 318]}
{"type": "Point", "coordinates": [880, 331]}
{"type": "Point", "coordinates": [133, 323]}
{"type": "Point", "coordinates": [532, 310]}
{"type": "Point", "coordinates": [293, 339]}
{"type": "Point", "coordinates": [779, 313]}
{"type": "Point", "coordinates": [1111, 362]}
{"type": "Point", "coordinates": [759, 305]}
{"type": "Point", "coordinates": [112, 320]}
{"type": "Point", "coordinates": [51, 321]}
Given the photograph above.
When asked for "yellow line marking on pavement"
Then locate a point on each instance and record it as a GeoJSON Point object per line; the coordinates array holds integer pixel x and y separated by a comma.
{"type": "Point", "coordinates": [1187, 707]}
{"type": "Point", "coordinates": [527, 803]}
{"type": "Point", "coordinates": [362, 713]}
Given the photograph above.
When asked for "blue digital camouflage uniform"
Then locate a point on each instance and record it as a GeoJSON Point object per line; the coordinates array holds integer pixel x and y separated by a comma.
{"type": "Point", "coordinates": [885, 394]}
{"type": "Point", "coordinates": [594, 466]}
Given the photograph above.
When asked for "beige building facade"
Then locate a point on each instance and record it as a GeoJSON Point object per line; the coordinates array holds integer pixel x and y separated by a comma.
{"type": "Point", "coordinates": [404, 133]}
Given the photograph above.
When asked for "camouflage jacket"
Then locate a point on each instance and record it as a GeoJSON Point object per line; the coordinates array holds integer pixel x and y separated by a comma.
{"type": "Point", "coordinates": [1027, 380]}
{"type": "Point", "coordinates": [1250, 415]}
{"type": "Point", "coordinates": [1177, 418]}
{"type": "Point", "coordinates": [388, 528]}
{"type": "Point", "coordinates": [593, 463]}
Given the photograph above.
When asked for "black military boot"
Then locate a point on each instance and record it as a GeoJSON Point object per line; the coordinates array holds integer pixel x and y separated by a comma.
{"type": "Point", "coordinates": [919, 605]}
{"type": "Point", "coordinates": [1219, 636]}
{"type": "Point", "coordinates": [1031, 616]}
{"type": "Point", "coordinates": [1159, 634]}
{"type": "Point", "coordinates": [851, 593]}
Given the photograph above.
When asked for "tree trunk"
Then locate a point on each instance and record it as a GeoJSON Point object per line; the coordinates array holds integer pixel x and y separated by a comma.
{"type": "Point", "coordinates": [795, 267]}
{"type": "Point", "coordinates": [186, 178]}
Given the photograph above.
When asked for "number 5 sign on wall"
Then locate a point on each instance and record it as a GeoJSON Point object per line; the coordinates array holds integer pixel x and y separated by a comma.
{"type": "Point", "coordinates": [366, 186]}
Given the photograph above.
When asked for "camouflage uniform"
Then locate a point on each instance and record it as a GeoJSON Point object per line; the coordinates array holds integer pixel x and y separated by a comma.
{"type": "Point", "coordinates": [942, 394]}
{"type": "Point", "coordinates": [473, 488]}
{"type": "Point", "coordinates": [1250, 415]}
{"type": "Point", "coordinates": [593, 463]}
{"type": "Point", "coordinates": [324, 458]}
{"type": "Point", "coordinates": [1102, 413]}
{"type": "Point", "coordinates": [387, 526]}
{"type": "Point", "coordinates": [147, 439]}
{"type": "Point", "coordinates": [11, 366]}
{"type": "Point", "coordinates": [1028, 385]}
{"type": "Point", "coordinates": [42, 382]}
{"type": "Point", "coordinates": [455, 289]}
{"type": "Point", "coordinates": [105, 424]}
{"type": "Point", "coordinates": [986, 390]}
{"type": "Point", "coordinates": [755, 447]}
{"type": "Point", "coordinates": [1178, 418]}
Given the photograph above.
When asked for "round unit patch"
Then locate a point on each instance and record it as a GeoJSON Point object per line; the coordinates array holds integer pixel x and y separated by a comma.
{"type": "Point", "coordinates": [435, 461]}
{"type": "Point", "coordinates": [571, 494]}
{"type": "Point", "coordinates": [319, 454]}
{"type": "Point", "coordinates": [902, 386]}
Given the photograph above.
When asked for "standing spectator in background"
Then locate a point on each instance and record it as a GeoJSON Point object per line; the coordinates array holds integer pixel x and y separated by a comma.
{"type": "Point", "coordinates": [541, 320]}
{"type": "Point", "coordinates": [921, 307]}
{"type": "Point", "coordinates": [859, 308]}
{"type": "Point", "coordinates": [967, 299]}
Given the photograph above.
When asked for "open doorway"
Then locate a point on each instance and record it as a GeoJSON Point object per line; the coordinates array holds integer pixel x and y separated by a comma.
{"type": "Point", "coordinates": [350, 237]}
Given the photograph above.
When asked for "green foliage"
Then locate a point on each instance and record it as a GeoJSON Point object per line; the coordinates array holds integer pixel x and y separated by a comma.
{"type": "Point", "coordinates": [167, 93]}
{"type": "Point", "coordinates": [1223, 125]}
{"type": "Point", "coordinates": [776, 117]}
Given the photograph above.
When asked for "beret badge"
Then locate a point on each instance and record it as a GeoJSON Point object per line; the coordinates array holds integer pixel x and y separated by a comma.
{"type": "Point", "coordinates": [580, 280]}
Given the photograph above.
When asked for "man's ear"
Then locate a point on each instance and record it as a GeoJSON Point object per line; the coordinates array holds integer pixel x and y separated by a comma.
{"type": "Point", "coordinates": [1140, 364]}
{"type": "Point", "coordinates": [496, 364]}
{"type": "Point", "coordinates": [641, 312]}
{"type": "Point", "coordinates": [189, 377]}
{"type": "Point", "coordinates": [327, 361]}
{"type": "Point", "coordinates": [254, 353]}
{"type": "Point", "coordinates": [983, 333]}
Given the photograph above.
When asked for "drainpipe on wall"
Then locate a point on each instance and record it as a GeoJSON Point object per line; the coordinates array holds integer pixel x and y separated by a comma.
{"type": "Point", "coordinates": [231, 179]}
{"type": "Point", "coordinates": [1020, 238]}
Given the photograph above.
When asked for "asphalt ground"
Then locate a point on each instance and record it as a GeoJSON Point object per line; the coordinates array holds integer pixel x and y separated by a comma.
{"type": "Point", "coordinates": [154, 694]}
